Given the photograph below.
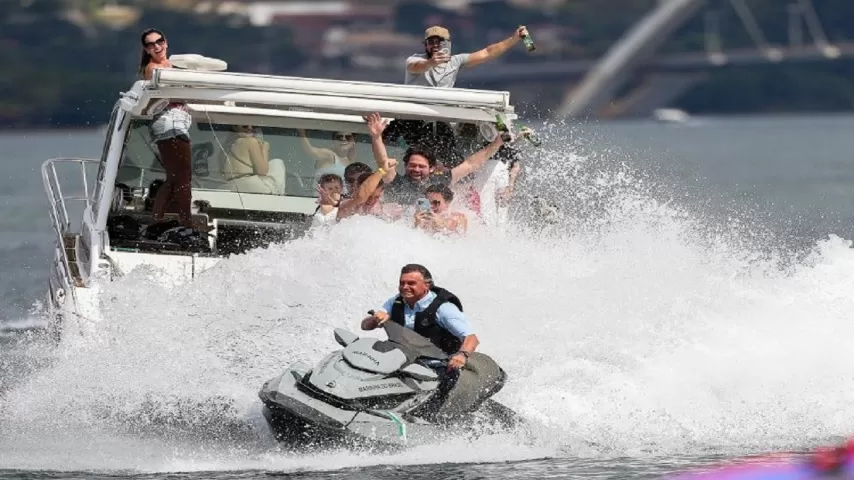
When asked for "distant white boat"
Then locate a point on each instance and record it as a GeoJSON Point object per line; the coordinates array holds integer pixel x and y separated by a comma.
{"type": "Point", "coordinates": [671, 115]}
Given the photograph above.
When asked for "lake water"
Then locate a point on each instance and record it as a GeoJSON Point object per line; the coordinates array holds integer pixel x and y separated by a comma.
{"type": "Point", "coordinates": [691, 305]}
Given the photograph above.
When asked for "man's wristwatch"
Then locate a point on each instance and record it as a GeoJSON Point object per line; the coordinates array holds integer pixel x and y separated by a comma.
{"type": "Point", "coordinates": [463, 353]}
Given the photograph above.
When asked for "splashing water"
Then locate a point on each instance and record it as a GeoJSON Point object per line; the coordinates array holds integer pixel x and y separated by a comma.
{"type": "Point", "coordinates": [629, 327]}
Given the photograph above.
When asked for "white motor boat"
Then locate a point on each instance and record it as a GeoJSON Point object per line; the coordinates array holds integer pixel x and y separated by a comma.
{"type": "Point", "coordinates": [97, 206]}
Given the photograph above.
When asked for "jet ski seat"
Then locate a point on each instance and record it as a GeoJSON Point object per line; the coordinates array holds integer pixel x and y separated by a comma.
{"type": "Point", "coordinates": [464, 391]}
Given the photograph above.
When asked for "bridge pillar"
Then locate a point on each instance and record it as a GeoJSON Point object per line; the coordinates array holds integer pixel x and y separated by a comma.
{"type": "Point", "coordinates": [656, 91]}
{"type": "Point", "coordinates": [637, 45]}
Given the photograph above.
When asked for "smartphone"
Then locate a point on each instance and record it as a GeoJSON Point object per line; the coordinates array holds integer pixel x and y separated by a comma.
{"type": "Point", "coordinates": [445, 47]}
{"type": "Point", "coordinates": [423, 205]}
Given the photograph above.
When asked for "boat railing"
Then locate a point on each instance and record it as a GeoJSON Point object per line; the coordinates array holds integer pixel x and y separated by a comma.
{"type": "Point", "coordinates": [67, 199]}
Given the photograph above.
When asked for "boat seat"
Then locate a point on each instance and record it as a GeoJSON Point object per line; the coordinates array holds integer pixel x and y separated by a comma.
{"type": "Point", "coordinates": [201, 222]}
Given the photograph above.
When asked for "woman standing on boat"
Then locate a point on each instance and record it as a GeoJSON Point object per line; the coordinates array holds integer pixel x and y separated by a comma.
{"type": "Point", "coordinates": [170, 130]}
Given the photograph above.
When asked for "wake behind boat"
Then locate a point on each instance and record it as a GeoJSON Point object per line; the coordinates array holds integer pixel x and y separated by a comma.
{"type": "Point", "coordinates": [99, 219]}
{"type": "Point", "coordinates": [385, 394]}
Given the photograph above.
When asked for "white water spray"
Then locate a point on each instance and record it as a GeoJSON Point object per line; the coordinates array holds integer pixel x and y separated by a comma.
{"type": "Point", "coordinates": [624, 335]}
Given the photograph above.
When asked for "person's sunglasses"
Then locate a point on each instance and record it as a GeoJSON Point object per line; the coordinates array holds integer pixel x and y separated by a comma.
{"type": "Point", "coordinates": [435, 203]}
{"type": "Point", "coordinates": [159, 42]}
{"type": "Point", "coordinates": [344, 137]}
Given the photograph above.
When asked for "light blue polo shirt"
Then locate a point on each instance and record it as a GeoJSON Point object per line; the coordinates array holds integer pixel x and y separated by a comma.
{"type": "Point", "coordinates": [448, 316]}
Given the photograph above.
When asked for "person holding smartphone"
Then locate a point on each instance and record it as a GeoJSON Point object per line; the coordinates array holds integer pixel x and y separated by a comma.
{"type": "Point", "coordinates": [423, 216]}
{"type": "Point", "coordinates": [436, 67]}
{"type": "Point", "coordinates": [433, 213]}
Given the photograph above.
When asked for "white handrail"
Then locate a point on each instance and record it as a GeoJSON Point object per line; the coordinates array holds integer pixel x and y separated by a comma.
{"type": "Point", "coordinates": [59, 211]}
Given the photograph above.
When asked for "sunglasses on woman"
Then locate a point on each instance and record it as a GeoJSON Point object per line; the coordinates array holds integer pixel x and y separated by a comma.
{"type": "Point", "coordinates": [159, 42]}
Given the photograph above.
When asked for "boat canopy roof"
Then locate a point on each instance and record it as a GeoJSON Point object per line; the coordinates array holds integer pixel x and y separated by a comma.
{"type": "Point", "coordinates": [310, 127]}
{"type": "Point", "coordinates": [227, 96]}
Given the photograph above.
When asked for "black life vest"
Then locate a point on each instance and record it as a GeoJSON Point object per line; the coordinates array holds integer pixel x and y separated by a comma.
{"type": "Point", "coordinates": [425, 321]}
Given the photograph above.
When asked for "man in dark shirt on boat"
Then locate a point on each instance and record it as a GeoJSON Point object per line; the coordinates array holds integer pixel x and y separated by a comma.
{"type": "Point", "coordinates": [422, 169]}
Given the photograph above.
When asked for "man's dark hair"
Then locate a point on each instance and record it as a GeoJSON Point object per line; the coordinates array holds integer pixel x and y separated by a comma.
{"type": "Point", "coordinates": [442, 190]}
{"type": "Point", "coordinates": [414, 267]}
{"type": "Point", "coordinates": [356, 168]}
{"type": "Point", "coordinates": [426, 153]}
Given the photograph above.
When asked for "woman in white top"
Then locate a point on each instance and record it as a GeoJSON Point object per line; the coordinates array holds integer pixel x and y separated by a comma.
{"type": "Point", "coordinates": [333, 160]}
{"type": "Point", "coordinates": [247, 166]}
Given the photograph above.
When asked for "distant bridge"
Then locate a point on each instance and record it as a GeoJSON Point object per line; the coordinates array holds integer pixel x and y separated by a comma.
{"type": "Point", "coordinates": [601, 83]}
{"type": "Point", "coordinates": [560, 70]}
{"type": "Point", "coordinates": [502, 73]}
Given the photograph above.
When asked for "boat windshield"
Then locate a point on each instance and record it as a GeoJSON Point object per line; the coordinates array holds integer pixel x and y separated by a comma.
{"type": "Point", "coordinates": [226, 160]}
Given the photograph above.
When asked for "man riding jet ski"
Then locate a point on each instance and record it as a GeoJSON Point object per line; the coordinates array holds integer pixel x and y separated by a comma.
{"type": "Point", "coordinates": [423, 382]}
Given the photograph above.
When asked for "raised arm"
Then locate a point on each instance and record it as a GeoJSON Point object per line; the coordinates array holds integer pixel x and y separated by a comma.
{"type": "Point", "coordinates": [376, 127]}
{"type": "Point", "coordinates": [319, 154]}
{"type": "Point", "coordinates": [348, 206]}
{"type": "Point", "coordinates": [416, 65]}
{"type": "Point", "coordinates": [507, 192]}
{"type": "Point", "coordinates": [476, 160]}
{"type": "Point", "coordinates": [496, 49]}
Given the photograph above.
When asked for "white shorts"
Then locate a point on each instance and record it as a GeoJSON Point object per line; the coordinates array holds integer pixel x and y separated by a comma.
{"type": "Point", "coordinates": [173, 122]}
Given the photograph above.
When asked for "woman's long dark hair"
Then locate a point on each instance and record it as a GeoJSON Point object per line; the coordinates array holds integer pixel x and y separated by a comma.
{"type": "Point", "coordinates": [146, 58]}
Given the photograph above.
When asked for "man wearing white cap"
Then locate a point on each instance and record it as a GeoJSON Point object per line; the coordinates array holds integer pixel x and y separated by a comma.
{"type": "Point", "coordinates": [436, 67]}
